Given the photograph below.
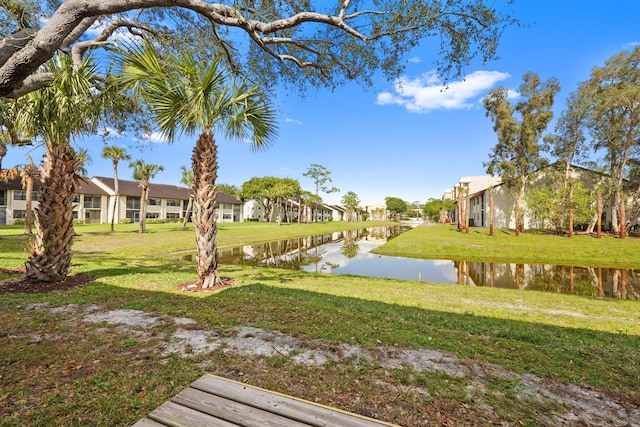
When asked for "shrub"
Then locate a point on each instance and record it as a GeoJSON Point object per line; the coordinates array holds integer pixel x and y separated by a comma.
{"type": "Point", "coordinates": [124, 221]}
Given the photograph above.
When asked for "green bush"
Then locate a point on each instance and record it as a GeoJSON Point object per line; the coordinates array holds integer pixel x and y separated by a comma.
{"type": "Point", "coordinates": [19, 221]}
{"type": "Point", "coordinates": [124, 221]}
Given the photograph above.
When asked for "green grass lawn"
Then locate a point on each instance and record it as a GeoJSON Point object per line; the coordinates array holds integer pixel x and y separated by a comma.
{"type": "Point", "coordinates": [445, 242]}
{"type": "Point", "coordinates": [56, 370]}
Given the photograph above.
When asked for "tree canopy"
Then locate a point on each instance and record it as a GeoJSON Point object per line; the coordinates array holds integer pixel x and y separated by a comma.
{"type": "Point", "coordinates": [519, 129]}
{"type": "Point", "coordinates": [351, 202]}
{"type": "Point", "coordinates": [320, 43]}
{"type": "Point", "coordinates": [396, 205]}
{"type": "Point", "coordinates": [321, 178]}
{"type": "Point", "coordinates": [610, 100]}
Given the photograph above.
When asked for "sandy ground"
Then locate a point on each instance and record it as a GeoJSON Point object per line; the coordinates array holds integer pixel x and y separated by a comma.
{"type": "Point", "coordinates": [585, 405]}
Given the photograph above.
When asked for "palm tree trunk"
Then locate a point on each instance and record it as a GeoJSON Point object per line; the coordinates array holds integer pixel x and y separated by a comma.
{"type": "Point", "coordinates": [29, 205]}
{"type": "Point", "coordinates": [187, 213]}
{"type": "Point", "coordinates": [143, 209]}
{"type": "Point", "coordinates": [205, 172]}
{"type": "Point", "coordinates": [51, 251]}
{"type": "Point", "coordinates": [116, 203]}
{"type": "Point", "coordinates": [3, 152]}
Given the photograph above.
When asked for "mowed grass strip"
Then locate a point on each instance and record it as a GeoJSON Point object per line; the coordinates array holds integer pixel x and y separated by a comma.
{"type": "Point", "coordinates": [446, 242]}
{"type": "Point", "coordinates": [56, 370]}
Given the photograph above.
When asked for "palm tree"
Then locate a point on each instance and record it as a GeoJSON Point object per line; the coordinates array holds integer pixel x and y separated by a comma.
{"type": "Point", "coordinates": [116, 154]}
{"type": "Point", "coordinates": [188, 97]}
{"type": "Point", "coordinates": [82, 161]}
{"type": "Point", "coordinates": [28, 174]}
{"type": "Point", "coordinates": [67, 108]}
{"type": "Point", "coordinates": [187, 179]}
{"type": "Point", "coordinates": [144, 172]}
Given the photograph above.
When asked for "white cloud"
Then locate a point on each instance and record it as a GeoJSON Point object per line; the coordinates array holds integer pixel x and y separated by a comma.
{"type": "Point", "coordinates": [155, 137]}
{"type": "Point", "coordinates": [415, 60]}
{"type": "Point", "coordinates": [427, 92]}
{"type": "Point", "coordinates": [513, 94]}
{"type": "Point", "coordinates": [122, 34]}
{"type": "Point", "coordinates": [631, 45]}
{"type": "Point", "coordinates": [288, 120]}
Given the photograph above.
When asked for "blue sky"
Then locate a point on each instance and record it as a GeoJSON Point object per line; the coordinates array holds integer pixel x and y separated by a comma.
{"type": "Point", "coordinates": [415, 142]}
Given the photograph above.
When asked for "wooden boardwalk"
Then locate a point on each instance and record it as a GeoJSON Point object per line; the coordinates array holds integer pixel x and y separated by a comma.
{"type": "Point", "coordinates": [217, 401]}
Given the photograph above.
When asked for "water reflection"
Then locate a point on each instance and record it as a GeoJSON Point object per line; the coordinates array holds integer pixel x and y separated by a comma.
{"type": "Point", "coordinates": [349, 252]}
{"type": "Point", "coordinates": [592, 281]}
{"type": "Point", "coordinates": [323, 253]}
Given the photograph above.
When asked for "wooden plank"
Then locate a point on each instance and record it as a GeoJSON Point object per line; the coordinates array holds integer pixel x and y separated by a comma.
{"type": "Point", "coordinates": [174, 415]}
{"type": "Point", "coordinates": [286, 406]}
{"type": "Point", "coordinates": [146, 422]}
{"type": "Point", "coordinates": [235, 412]}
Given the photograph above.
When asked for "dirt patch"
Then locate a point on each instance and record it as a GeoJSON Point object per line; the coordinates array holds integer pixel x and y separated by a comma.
{"type": "Point", "coordinates": [225, 282]}
{"type": "Point", "coordinates": [579, 404]}
{"type": "Point", "coordinates": [26, 286]}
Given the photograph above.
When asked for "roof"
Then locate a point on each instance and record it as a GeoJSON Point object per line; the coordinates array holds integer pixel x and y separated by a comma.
{"type": "Point", "coordinates": [88, 187]}
{"type": "Point", "coordinates": [132, 189]}
{"type": "Point", "coordinates": [14, 184]}
{"type": "Point", "coordinates": [85, 186]}
{"type": "Point", "coordinates": [555, 164]}
{"type": "Point", "coordinates": [160, 191]}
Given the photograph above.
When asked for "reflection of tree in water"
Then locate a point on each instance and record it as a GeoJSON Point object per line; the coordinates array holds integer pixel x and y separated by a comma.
{"type": "Point", "coordinates": [349, 248]}
{"type": "Point", "coordinates": [387, 233]}
{"type": "Point", "coordinates": [307, 251]}
{"type": "Point", "coordinates": [619, 283]}
{"type": "Point", "coordinates": [291, 254]}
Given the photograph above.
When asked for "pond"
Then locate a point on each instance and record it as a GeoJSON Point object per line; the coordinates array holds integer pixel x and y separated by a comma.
{"type": "Point", "coordinates": [349, 252]}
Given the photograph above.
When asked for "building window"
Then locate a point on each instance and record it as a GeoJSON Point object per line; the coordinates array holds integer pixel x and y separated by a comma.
{"type": "Point", "coordinates": [76, 198]}
{"type": "Point", "coordinates": [20, 195]}
{"type": "Point", "coordinates": [35, 196]}
{"type": "Point", "coordinates": [19, 214]}
{"type": "Point", "coordinates": [3, 198]}
{"type": "Point", "coordinates": [92, 202]}
{"type": "Point", "coordinates": [133, 203]}
{"type": "Point", "coordinates": [174, 202]}
{"type": "Point", "coordinates": [153, 215]}
{"type": "Point", "coordinates": [133, 215]}
{"type": "Point", "coordinates": [173, 215]}
{"type": "Point", "coordinates": [155, 202]}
